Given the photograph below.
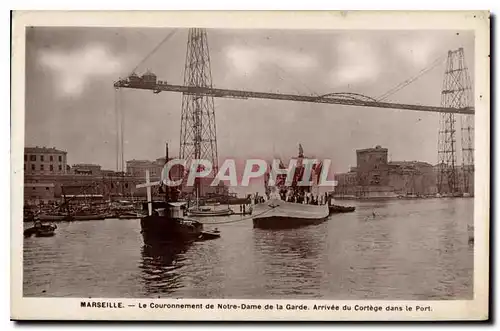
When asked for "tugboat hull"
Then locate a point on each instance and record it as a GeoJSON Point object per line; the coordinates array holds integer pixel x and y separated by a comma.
{"type": "Point", "coordinates": [157, 229]}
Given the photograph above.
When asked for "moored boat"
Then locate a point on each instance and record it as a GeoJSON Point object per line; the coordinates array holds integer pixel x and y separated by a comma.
{"type": "Point", "coordinates": [292, 204]}
{"type": "Point", "coordinates": [51, 218]}
{"type": "Point", "coordinates": [89, 217]}
{"type": "Point", "coordinates": [335, 209]}
{"type": "Point", "coordinates": [207, 212]}
{"type": "Point", "coordinates": [55, 218]}
{"type": "Point", "coordinates": [280, 214]}
{"type": "Point", "coordinates": [209, 235]}
{"type": "Point", "coordinates": [130, 215]}
{"type": "Point", "coordinates": [167, 224]}
{"type": "Point", "coordinates": [41, 230]}
{"type": "Point", "coordinates": [166, 221]}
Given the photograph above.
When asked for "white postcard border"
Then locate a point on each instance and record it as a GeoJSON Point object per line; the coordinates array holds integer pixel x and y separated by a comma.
{"type": "Point", "coordinates": [69, 308]}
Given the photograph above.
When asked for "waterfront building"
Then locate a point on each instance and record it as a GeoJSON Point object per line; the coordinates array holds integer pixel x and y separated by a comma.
{"type": "Point", "coordinates": [51, 184]}
{"type": "Point", "coordinates": [375, 177]}
{"type": "Point", "coordinates": [372, 173]}
{"type": "Point", "coordinates": [86, 169]}
{"type": "Point", "coordinates": [44, 161]}
{"type": "Point", "coordinates": [412, 178]}
{"type": "Point", "coordinates": [138, 168]}
{"type": "Point", "coordinates": [346, 184]}
{"type": "Point", "coordinates": [36, 193]}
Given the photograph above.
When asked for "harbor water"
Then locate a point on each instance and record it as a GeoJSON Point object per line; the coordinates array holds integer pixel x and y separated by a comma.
{"type": "Point", "coordinates": [395, 249]}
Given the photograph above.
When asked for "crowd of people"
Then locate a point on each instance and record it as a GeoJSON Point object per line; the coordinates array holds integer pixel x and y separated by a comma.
{"type": "Point", "coordinates": [304, 197]}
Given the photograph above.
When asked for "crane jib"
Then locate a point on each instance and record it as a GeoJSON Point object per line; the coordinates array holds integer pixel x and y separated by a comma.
{"type": "Point", "coordinates": [327, 99]}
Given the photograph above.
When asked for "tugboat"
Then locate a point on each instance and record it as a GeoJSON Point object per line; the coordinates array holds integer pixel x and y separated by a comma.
{"type": "Point", "coordinates": [167, 223]}
{"type": "Point", "coordinates": [166, 220]}
{"type": "Point", "coordinates": [292, 206]}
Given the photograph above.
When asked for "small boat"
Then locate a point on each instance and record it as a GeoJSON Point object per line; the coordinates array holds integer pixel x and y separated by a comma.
{"type": "Point", "coordinates": [209, 235]}
{"type": "Point", "coordinates": [207, 212]}
{"type": "Point", "coordinates": [41, 230]}
{"type": "Point", "coordinates": [335, 209]}
{"type": "Point", "coordinates": [88, 217]}
{"type": "Point", "coordinates": [130, 215]}
{"type": "Point", "coordinates": [51, 217]}
{"type": "Point", "coordinates": [280, 214]}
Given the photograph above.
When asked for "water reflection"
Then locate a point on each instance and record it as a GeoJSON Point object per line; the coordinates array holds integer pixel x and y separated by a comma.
{"type": "Point", "coordinates": [161, 266]}
{"type": "Point", "coordinates": [290, 259]}
{"type": "Point", "coordinates": [411, 250]}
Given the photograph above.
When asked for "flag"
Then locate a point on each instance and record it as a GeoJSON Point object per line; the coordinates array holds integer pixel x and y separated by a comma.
{"type": "Point", "coordinates": [317, 170]}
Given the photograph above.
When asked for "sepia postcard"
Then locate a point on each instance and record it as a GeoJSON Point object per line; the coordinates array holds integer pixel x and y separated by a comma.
{"type": "Point", "coordinates": [250, 166]}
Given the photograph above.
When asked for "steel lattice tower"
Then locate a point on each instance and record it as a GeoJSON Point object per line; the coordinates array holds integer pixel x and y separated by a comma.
{"type": "Point", "coordinates": [467, 124]}
{"type": "Point", "coordinates": [456, 93]}
{"type": "Point", "coordinates": [198, 135]}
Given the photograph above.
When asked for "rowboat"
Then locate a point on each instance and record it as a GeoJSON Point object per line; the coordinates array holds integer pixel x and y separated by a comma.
{"type": "Point", "coordinates": [41, 230]}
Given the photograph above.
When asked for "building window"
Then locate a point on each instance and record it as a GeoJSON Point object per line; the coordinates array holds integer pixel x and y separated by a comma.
{"type": "Point", "coordinates": [32, 157]}
{"type": "Point", "coordinates": [60, 167]}
{"type": "Point", "coordinates": [46, 188]}
{"type": "Point", "coordinates": [32, 167]}
{"type": "Point", "coordinates": [126, 185]}
{"type": "Point", "coordinates": [51, 167]}
{"type": "Point", "coordinates": [25, 167]}
{"type": "Point", "coordinates": [41, 166]}
{"type": "Point", "coordinates": [60, 158]}
{"type": "Point", "coordinates": [25, 157]}
{"type": "Point", "coordinates": [41, 158]}
{"type": "Point", "coordinates": [51, 158]}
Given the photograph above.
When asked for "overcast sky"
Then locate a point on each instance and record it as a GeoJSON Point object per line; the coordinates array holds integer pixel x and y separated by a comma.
{"type": "Point", "coordinates": [70, 97]}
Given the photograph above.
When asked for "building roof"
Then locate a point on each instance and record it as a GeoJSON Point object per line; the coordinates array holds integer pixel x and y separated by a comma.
{"type": "Point", "coordinates": [377, 148]}
{"type": "Point", "coordinates": [159, 161]}
{"type": "Point", "coordinates": [38, 149]}
{"type": "Point", "coordinates": [134, 161]}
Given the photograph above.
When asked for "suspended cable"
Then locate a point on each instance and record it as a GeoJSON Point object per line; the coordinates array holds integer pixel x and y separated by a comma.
{"type": "Point", "coordinates": [410, 80]}
{"type": "Point", "coordinates": [154, 50]}
{"type": "Point", "coordinates": [292, 79]}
